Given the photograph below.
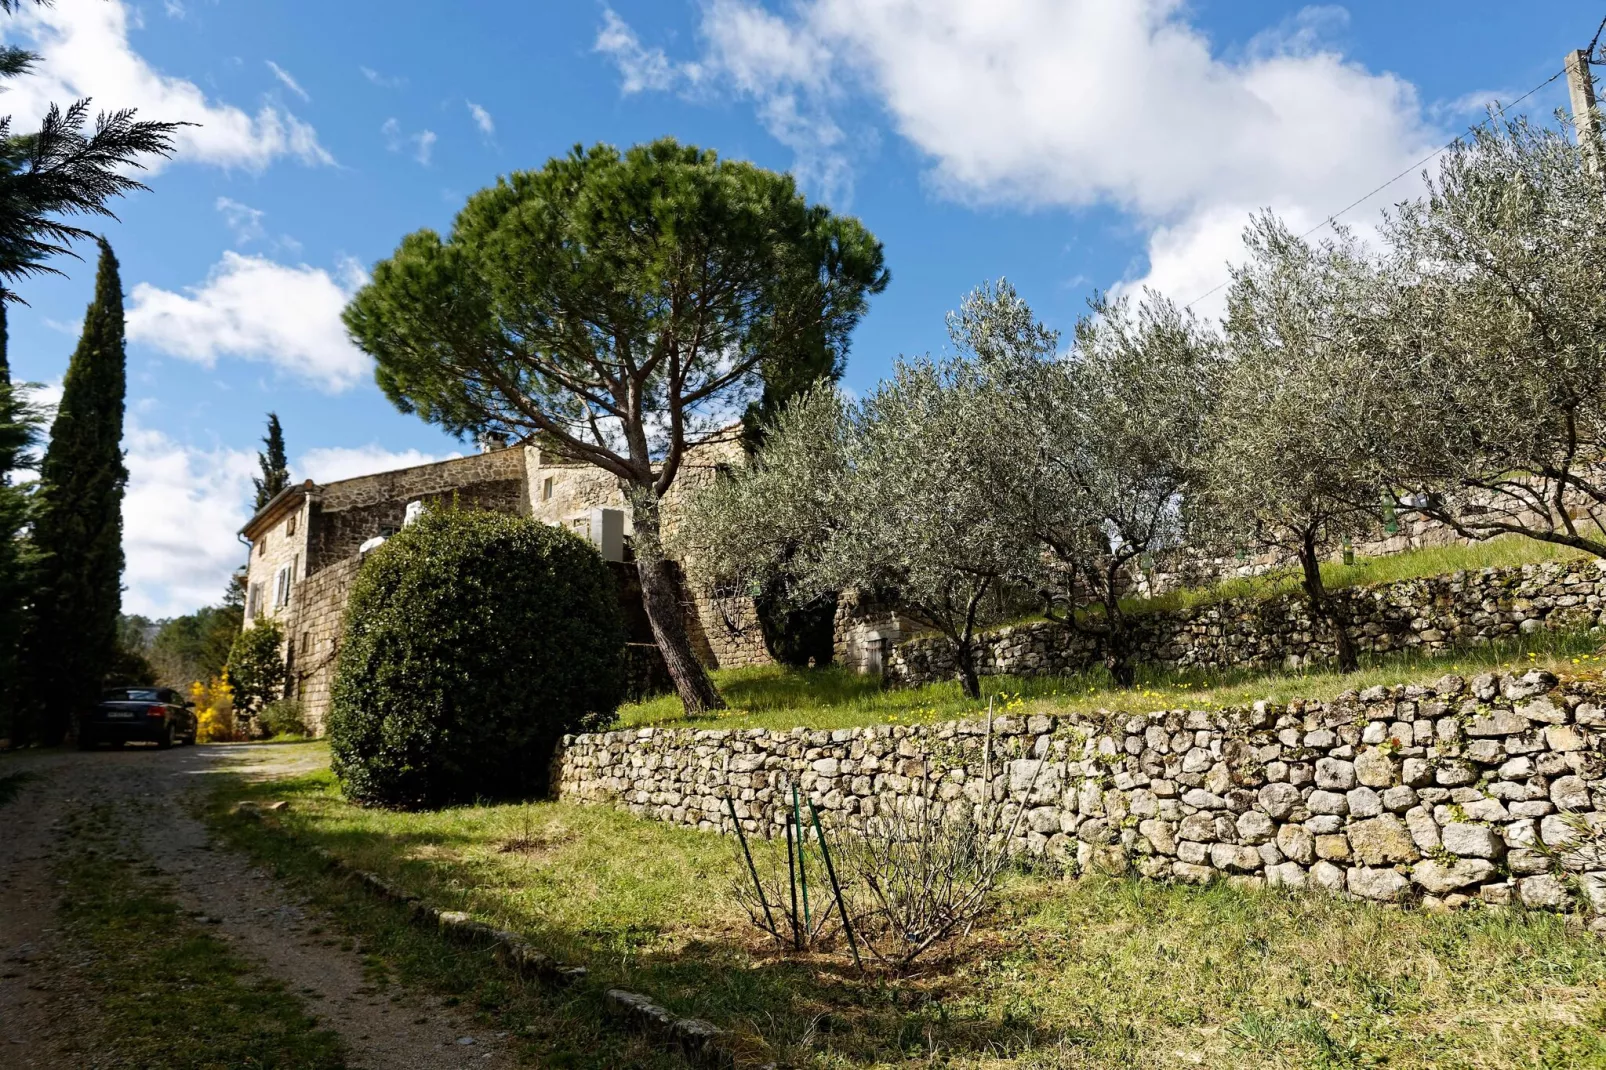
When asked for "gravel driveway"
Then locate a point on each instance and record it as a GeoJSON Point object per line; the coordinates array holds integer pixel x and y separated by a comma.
{"type": "Point", "coordinates": [47, 1010]}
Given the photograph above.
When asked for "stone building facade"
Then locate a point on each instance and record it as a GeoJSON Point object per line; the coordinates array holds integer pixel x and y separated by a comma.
{"type": "Point", "coordinates": [306, 548]}
{"type": "Point", "coordinates": [1491, 789]}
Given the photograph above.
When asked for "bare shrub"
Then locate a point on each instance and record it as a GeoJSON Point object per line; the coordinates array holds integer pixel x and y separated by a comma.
{"type": "Point", "coordinates": [923, 872]}
{"type": "Point", "coordinates": [777, 893]}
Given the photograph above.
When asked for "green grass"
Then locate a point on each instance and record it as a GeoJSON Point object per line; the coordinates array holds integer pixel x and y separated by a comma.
{"type": "Point", "coordinates": [777, 698]}
{"type": "Point", "coordinates": [169, 996]}
{"type": "Point", "coordinates": [1505, 551]}
{"type": "Point", "coordinates": [1094, 973]}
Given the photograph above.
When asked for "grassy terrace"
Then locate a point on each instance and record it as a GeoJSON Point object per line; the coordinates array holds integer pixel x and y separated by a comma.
{"type": "Point", "coordinates": [1095, 973]}
{"type": "Point", "coordinates": [1506, 551]}
{"type": "Point", "coordinates": [770, 697]}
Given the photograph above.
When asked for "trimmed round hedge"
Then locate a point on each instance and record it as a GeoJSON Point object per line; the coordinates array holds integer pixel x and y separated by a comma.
{"type": "Point", "coordinates": [473, 642]}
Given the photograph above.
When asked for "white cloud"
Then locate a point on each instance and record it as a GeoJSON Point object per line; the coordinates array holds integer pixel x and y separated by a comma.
{"type": "Point", "coordinates": [182, 509]}
{"type": "Point", "coordinates": [174, 9]}
{"type": "Point", "coordinates": [482, 119]}
{"type": "Point", "coordinates": [381, 80]}
{"type": "Point", "coordinates": [289, 82]}
{"type": "Point", "coordinates": [253, 308]}
{"type": "Point", "coordinates": [422, 142]}
{"type": "Point", "coordinates": [245, 221]}
{"type": "Point", "coordinates": [1066, 104]}
{"type": "Point", "coordinates": [45, 396]}
{"type": "Point", "coordinates": [423, 145]}
{"type": "Point", "coordinates": [326, 464]}
{"type": "Point", "coordinates": [86, 53]}
{"type": "Point", "coordinates": [639, 68]}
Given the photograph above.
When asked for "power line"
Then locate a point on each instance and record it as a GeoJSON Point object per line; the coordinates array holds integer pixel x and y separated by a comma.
{"type": "Point", "coordinates": [1426, 159]}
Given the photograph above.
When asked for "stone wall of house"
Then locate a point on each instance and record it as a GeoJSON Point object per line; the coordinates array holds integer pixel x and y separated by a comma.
{"type": "Point", "coordinates": [352, 511]}
{"type": "Point", "coordinates": [312, 637]}
{"type": "Point", "coordinates": [1488, 789]}
{"type": "Point", "coordinates": [865, 633]}
{"type": "Point", "coordinates": [282, 546]}
{"type": "Point", "coordinates": [1433, 614]}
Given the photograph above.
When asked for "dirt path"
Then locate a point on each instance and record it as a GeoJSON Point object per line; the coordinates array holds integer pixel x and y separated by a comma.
{"type": "Point", "coordinates": [45, 1010]}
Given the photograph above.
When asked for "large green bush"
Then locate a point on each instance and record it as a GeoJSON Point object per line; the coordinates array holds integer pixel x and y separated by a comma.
{"type": "Point", "coordinates": [474, 640]}
{"type": "Point", "coordinates": [256, 666]}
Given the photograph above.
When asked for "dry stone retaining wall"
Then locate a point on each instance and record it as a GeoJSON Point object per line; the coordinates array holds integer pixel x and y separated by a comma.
{"type": "Point", "coordinates": [1433, 614]}
{"type": "Point", "coordinates": [1489, 789]}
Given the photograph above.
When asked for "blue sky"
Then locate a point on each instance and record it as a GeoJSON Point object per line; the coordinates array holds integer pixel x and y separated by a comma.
{"type": "Point", "coordinates": [1068, 144]}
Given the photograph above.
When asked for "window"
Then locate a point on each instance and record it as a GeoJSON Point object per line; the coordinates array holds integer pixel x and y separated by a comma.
{"type": "Point", "coordinates": [281, 587]}
{"type": "Point", "coordinates": [306, 643]}
{"type": "Point", "coordinates": [295, 566]}
{"type": "Point", "coordinates": [546, 490]}
{"type": "Point", "coordinates": [253, 601]}
{"type": "Point", "coordinates": [581, 526]}
{"type": "Point", "coordinates": [262, 544]}
{"type": "Point", "coordinates": [132, 694]}
{"type": "Point", "coordinates": [290, 525]}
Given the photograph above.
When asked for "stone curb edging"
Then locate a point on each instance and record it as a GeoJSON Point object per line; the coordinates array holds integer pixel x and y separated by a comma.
{"type": "Point", "coordinates": [699, 1040]}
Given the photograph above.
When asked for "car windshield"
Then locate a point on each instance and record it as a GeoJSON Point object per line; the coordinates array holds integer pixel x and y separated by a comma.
{"type": "Point", "coordinates": [132, 694]}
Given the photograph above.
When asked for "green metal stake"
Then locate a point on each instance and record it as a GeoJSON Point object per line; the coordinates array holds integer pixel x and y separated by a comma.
{"type": "Point", "coordinates": [836, 889]}
{"type": "Point", "coordinates": [802, 871]}
{"type": "Point", "coordinates": [757, 885]}
{"type": "Point", "coordinates": [791, 881]}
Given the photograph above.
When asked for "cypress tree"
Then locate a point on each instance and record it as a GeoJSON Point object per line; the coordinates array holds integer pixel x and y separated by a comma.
{"type": "Point", "coordinates": [18, 427]}
{"type": "Point", "coordinates": [275, 469]}
{"type": "Point", "coordinates": [79, 525]}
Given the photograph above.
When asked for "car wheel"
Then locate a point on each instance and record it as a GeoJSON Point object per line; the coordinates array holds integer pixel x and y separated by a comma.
{"type": "Point", "coordinates": [166, 741]}
{"type": "Point", "coordinates": [189, 740]}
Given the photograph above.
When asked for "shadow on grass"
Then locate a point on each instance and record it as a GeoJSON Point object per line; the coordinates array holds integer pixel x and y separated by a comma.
{"type": "Point", "coordinates": [1096, 973]}
{"type": "Point", "coordinates": [647, 939]}
{"type": "Point", "coordinates": [11, 785]}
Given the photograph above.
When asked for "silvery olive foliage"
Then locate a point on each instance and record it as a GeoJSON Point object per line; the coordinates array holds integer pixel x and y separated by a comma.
{"type": "Point", "coordinates": [1458, 370]}
{"type": "Point", "coordinates": [1101, 448]}
{"type": "Point", "coordinates": [883, 494]}
{"type": "Point", "coordinates": [1498, 340]}
{"type": "Point", "coordinates": [1292, 460]}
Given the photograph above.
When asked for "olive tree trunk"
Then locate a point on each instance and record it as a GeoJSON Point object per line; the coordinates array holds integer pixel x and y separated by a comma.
{"type": "Point", "coordinates": [1322, 605]}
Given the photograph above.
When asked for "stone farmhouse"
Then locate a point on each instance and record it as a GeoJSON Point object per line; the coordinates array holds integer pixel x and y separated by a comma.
{"type": "Point", "coordinates": [307, 543]}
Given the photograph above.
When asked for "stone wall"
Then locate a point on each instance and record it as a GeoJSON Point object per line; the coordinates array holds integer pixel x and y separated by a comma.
{"type": "Point", "coordinates": [1490, 789]}
{"type": "Point", "coordinates": [280, 544]}
{"type": "Point", "coordinates": [349, 513]}
{"type": "Point", "coordinates": [313, 634]}
{"type": "Point", "coordinates": [1433, 614]}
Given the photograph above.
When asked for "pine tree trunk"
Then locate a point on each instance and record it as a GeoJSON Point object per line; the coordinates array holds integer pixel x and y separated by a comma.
{"type": "Point", "coordinates": [660, 597]}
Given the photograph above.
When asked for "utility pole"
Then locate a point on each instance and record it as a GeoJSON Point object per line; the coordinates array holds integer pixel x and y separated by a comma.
{"type": "Point", "coordinates": [1586, 120]}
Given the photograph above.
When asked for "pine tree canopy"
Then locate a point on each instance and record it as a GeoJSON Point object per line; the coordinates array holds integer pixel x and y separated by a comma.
{"type": "Point", "coordinates": [275, 468]}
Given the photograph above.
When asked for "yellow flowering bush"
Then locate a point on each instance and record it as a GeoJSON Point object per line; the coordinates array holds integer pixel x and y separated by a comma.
{"type": "Point", "coordinates": [214, 709]}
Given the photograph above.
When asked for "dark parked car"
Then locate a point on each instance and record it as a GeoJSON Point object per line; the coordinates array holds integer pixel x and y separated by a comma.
{"type": "Point", "coordinates": [156, 715]}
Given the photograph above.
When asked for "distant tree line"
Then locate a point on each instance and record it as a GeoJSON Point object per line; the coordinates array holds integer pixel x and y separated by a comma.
{"type": "Point", "coordinates": [1456, 370]}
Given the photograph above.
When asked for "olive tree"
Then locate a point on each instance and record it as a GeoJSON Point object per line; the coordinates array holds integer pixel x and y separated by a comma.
{"type": "Point", "coordinates": [1292, 462]}
{"type": "Point", "coordinates": [1095, 451]}
{"type": "Point", "coordinates": [626, 307]}
{"type": "Point", "coordinates": [884, 494]}
{"type": "Point", "coordinates": [1499, 343]}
